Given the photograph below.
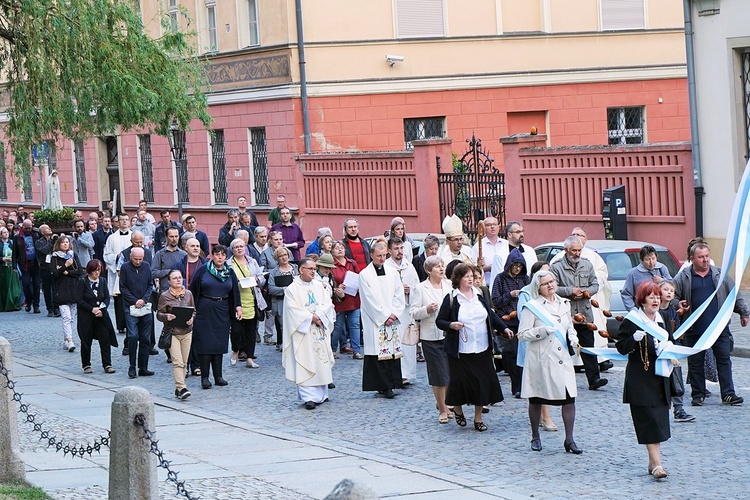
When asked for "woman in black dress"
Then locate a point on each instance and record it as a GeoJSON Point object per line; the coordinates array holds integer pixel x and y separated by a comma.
{"type": "Point", "coordinates": [217, 297]}
{"type": "Point", "coordinates": [647, 393]}
{"type": "Point", "coordinates": [469, 322]}
{"type": "Point", "coordinates": [92, 298]}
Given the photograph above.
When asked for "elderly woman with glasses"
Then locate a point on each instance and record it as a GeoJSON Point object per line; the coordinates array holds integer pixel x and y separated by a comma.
{"type": "Point", "coordinates": [244, 330]}
{"type": "Point", "coordinates": [182, 333]}
{"type": "Point", "coordinates": [279, 278]}
{"type": "Point", "coordinates": [548, 373]}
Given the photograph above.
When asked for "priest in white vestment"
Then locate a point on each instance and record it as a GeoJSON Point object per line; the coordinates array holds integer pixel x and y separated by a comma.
{"type": "Point", "coordinates": [382, 296]}
{"type": "Point", "coordinates": [308, 318]}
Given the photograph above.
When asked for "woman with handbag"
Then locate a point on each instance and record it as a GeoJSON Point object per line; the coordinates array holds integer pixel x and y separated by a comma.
{"type": "Point", "coordinates": [647, 393]}
{"type": "Point", "coordinates": [94, 323]}
{"type": "Point", "coordinates": [279, 278]}
{"type": "Point", "coordinates": [181, 336]}
{"type": "Point", "coordinates": [244, 330]}
{"type": "Point", "coordinates": [66, 271]}
{"type": "Point", "coordinates": [10, 288]}
{"type": "Point", "coordinates": [426, 299]}
{"type": "Point", "coordinates": [469, 323]}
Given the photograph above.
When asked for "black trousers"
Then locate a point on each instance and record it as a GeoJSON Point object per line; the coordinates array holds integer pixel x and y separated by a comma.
{"type": "Point", "coordinates": [104, 350]}
{"type": "Point", "coordinates": [120, 314]}
{"type": "Point", "coordinates": [510, 352]}
{"type": "Point", "coordinates": [697, 371]}
{"type": "Point", "coordinates": [243, 335]}
{"type": "Point", "coordinates": [30, 281]}
{"type": "Point", "coordinates": [590, 363]}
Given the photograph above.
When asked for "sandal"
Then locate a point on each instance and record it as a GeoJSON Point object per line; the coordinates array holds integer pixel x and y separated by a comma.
{"type": "Point", "coordinates": [443, 418]}
{"type": "Point", "coordinates": [658, 472]}
{"type": "Point", "coordinates": [460, 419]}
{"type": "Point", "coordinates": [480, 426]}
{"type": "Point", "coordinates": [548, 426]}
{"type": "Point", "coordinates": [109, 369]}
{"type": "Point", "coordinates": [87, 369]}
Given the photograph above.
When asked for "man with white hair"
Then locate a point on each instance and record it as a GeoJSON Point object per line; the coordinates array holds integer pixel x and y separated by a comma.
{"type": "Point", "coordinates": [314, 247]}
{"type": "Point", "coordinates": [136, 287]}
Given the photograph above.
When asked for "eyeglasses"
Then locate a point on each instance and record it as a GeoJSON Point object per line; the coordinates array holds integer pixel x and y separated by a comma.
{"type": "Point", "coordinates": [308, 268]}
{"type": "Point", "coordinates": [548, 283]}
{"type": "Point", "coordinates": [516, 232]}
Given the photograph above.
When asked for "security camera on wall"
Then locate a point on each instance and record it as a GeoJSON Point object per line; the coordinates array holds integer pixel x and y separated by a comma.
{"type": "Point", "coordinates": [394, 59]}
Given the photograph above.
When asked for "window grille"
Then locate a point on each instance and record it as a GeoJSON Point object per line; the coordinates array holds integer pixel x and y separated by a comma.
{"type": "Point", "coordinates": [80, 170]}
{"type": "Point", "coordinates": [423, 128]}
{"type": "Point", "coordinates": [252, 14]}
{"type": "Point", "coordinates": [147, 168]}
{"type": "Point", "coordinates": [219, 162]}
{"type": "Point", "coordinates": [260, 165]}
{"type": "Point", "coordinates": [746, 99]}
{"type": "Point", "coordinates": [3, 170]}
{"type": "Point", "coordinates": [625, 125]}
{"type": "Point", "coordinates": [213, 40]}
{"type": "Point", "coordinates": [179, 153]}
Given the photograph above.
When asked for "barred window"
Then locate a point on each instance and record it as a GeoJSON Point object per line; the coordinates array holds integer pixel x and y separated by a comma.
{"type": "Point", "coordinates": [259, 164]}
{"type": "Point", "coordinates": [625, 125]}
{"type": "Point", "coordinates": [423, 128]}
{"type": "Point", "coordinates": [179, 153]}
{"type": "Point", "coordinates": [80, 164]}
{"type": "Point", "coordinates": [218, 160]}
{"type": "Point", "coordinates": [745, 77]}
{"type": "Point", "coordinates": [3, 171]}
{"type": "Point", "coordinates": [147, 168]}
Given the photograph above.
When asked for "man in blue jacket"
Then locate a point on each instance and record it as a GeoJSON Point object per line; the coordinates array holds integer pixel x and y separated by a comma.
{"type": "Point", "coordinates": [136, 287]}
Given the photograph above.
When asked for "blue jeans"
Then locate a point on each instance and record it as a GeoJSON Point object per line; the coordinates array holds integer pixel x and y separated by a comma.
{"type": "Point", "coordinates": [697, 371]}
{"type": "Point", "coordinates": [139, 338]}
{"type": "Point", "coordinates": [338, 337]}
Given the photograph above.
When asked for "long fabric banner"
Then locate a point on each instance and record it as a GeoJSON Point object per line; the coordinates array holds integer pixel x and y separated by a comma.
{"type": "Point", "coordinates": [737, 252]}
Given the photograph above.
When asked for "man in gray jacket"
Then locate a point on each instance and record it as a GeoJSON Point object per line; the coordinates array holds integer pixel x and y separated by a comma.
{"type": "Point", "coordinates": [693, 285]}
{"type": "Point", "coordinates": [577, 282]}
{"type": "Point", "coordinates": [83, 243]}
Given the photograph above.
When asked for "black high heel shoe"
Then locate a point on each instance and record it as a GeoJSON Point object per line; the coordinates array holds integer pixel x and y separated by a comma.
{"type": "Point", "coordinates": [536, 444]}
{"type": "Point", "coordinates": [573, 448]}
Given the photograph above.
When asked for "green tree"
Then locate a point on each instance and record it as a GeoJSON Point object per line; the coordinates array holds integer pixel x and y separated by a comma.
{"type": "Point", "coordinates": [81, 68]}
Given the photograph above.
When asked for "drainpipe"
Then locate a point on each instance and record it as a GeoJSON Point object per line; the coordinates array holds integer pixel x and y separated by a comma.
{"type": "Point", "coordinates": [303, 77]}
{"type": "Point", "coordinates": [694, 136]}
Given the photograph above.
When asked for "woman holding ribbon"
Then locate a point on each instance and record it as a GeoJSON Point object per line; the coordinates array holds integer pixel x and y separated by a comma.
{"type": "Point", "coordinates": [548, 373]}
{"type": "Point", "coordinates": [647, 393]}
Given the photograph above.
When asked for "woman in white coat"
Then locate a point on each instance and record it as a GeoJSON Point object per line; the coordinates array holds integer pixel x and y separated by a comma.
{"type": "Point", "coordinates": [548, 375]}
{"type": "Point", "coordinates": [425, 303]}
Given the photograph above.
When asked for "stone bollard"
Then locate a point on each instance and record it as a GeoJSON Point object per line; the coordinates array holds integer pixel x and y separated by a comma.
{"type": "Point", "coordinates": [132, 466]}
{"type": "Point", "coordinates": [349, 490]}
{"type": "Point", "coordinates": [12, 467]}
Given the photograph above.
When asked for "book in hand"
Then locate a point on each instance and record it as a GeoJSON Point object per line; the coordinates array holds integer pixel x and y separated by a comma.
{"type": "Point", "coordinates": [182, 315]}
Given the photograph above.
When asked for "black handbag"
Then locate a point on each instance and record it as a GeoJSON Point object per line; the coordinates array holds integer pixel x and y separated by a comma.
{"type": "Point", "coordinates": [676, 385]}
{"type": "Point", "coordinates": [165, 339]}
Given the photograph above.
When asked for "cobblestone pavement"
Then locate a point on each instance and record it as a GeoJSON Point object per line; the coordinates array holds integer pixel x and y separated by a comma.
{"type": "Point", "coordinates": [705, 459]}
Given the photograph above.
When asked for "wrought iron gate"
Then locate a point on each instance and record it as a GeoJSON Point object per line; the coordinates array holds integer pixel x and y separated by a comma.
{"type": "Point", "coordinates": [473, 189]}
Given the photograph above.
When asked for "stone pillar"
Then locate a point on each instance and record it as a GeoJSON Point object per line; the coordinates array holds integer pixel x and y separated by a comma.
{"type": "Point", "coordinates": [512, 146]}
{"type": "Point", "coordinates": [132, 467]}
{"type": "Point", "coordinates": [12, 467]}
{"type": "Point", "coordinates": [426, 152]}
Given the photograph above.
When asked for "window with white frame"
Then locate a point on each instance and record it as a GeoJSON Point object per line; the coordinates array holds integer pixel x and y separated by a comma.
{"type": "Point", "coordinates": [80, 170]}
{"type": "Point", "coordinates": [622, 14]}
{"type": "Point", "coordinates": [213, 35]}
{"type": "Point", "coordinates": [423, 128]}
{"type": "Point", "coordinates": [625, 125]}
{"type": "Point", "coordinates": [419, 18]}
{"type": "Point", "coordinates": [254, 28]}
{"type": "Point", "coordinates": [173, 12]}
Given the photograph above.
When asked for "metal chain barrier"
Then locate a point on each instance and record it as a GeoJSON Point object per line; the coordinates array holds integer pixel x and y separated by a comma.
{"type": "Point", "coordinates": [140, 420]}
{"type": "Point", "coordinates": [75, 450]}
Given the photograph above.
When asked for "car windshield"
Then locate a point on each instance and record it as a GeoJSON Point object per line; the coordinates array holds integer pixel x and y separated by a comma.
{"type": "Point", "coordinates": [619, 264]}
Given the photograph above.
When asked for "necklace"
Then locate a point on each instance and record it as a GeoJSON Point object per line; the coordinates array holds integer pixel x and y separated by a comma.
{"type": "Point", "coordinates": [644, 352]}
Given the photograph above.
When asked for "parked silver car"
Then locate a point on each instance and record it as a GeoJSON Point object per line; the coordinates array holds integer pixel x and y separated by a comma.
{"type": "Point", "coordinates": [620, 256]}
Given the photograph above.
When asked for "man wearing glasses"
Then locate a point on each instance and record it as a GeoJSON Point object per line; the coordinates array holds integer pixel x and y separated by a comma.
{"type": "Point", "coordinates": [491, 245]}
{"type": "Point", "coordinates": [515, 237]}
{"type": "Point", "coordinates": [308, 322]}
{"type": "Point", "coordinates": [454, 248]}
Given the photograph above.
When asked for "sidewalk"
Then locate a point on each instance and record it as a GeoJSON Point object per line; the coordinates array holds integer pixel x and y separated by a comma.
{"type": "Point", "coordinates": [218, 457]}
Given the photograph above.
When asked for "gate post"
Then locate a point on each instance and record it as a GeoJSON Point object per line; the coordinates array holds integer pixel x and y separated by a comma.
{"type": "Point", "coordinates": [425, 168]}
{"type": "Point", "coordinates": [512, 161]}
{"type": "Point", "coordinates": [12, 467]}
{"type": "Point", "coordinates": [132, 466]}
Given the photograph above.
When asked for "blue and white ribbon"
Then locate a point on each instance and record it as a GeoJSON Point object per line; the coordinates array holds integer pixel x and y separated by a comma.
{"type": "Point", "coordinates": [546, 318]}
